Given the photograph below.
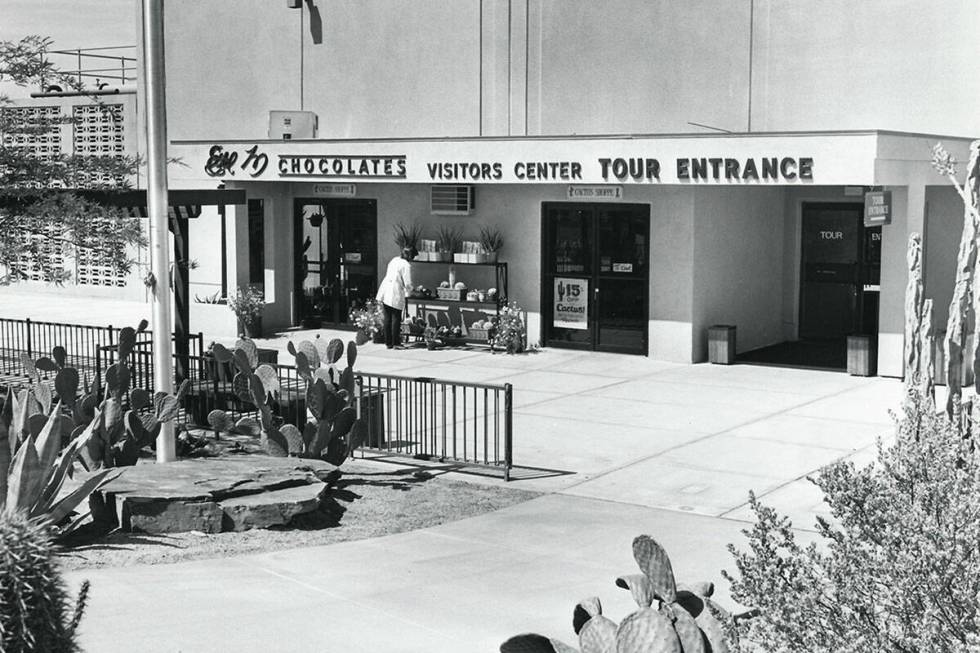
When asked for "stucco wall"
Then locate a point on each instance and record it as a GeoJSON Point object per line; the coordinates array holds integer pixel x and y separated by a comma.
{"type": "Point", "coordinates": [886, 64]}
{"type": "Point", "coordinates": [514, 67]}
{"type": "Point", "coordinates": [228, 64]}
{"type": "Point", "coordinates": [637, 67]}
{"type": "Point", "coordinates": [738, 265]}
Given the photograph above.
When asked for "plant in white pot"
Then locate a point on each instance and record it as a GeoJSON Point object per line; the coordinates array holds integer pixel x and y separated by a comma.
{"type": "Point", "coordinates": [449, 239]}
{"type": "Point", "coordinates": [491, 241]}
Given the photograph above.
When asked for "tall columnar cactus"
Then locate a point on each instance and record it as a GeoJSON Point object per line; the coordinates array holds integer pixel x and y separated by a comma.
{"type": "Point", "coordinates": [334, 430]}
{"type": "Point", "coordinates": [670, 619]}
{"type": "Point", "coordinates": [966, 297]}
{"type": "Point", "coordinates": [35, 614]}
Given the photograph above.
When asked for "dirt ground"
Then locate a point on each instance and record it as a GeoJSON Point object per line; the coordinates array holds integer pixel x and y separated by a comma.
{"type": "Point", "coordinates": [368, 501]}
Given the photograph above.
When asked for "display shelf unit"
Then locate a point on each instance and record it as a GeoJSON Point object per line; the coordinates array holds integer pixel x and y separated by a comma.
{"type": "Point", "coordinates": [447, 312]}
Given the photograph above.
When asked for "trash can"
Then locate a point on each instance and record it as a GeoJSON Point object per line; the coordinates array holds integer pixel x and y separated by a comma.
{"type": "Point", "coordinates": [721, 344]}
{"type": "Point", "coordinates": [862, 355]}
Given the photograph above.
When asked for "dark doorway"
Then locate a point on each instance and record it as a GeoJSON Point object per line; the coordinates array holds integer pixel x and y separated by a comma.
{"type": "Point", "coordinates": [840, 272]}
{"type": "Point", "coordinates": [336, 257]}
{"type": "Point", "coordinates": [595, 276]}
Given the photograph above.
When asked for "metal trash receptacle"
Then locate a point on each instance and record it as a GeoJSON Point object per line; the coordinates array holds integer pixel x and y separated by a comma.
{"type": "Point", "coordinates": [862, 356]}
{"type": "Point", "coordinates": [721, 344]}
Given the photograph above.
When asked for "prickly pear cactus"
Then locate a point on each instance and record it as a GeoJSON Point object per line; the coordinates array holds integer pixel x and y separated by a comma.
{"type": "Point", "coordinates": [670, 618]}
{"type": "Point", "coordinates": [333, 431]}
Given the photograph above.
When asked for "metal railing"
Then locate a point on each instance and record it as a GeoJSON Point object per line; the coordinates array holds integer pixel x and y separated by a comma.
{"type": "Point", "coordinates": [424, 417]}
{"type": "Point", "coordinates": [115, 63]}
{"type": "Point", "coordinates": [470, 423]}
{"type": "Point", "coordinates": [36, 339]}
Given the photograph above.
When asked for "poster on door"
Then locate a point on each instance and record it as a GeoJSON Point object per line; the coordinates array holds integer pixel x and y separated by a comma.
{"type": "Point", "coordinates": [571, 309]}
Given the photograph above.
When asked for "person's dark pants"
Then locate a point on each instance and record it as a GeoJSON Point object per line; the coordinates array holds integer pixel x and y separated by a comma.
{"type": "Point", "coordinates": [393, 326]}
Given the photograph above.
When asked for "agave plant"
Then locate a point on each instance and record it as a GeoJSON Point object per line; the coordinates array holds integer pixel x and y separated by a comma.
{"type": "Point", "coordinates": [670, 619]}
{"type": "Point", "coordinates": [33, 470]}
{"type": "Point", "coordinates": [118, 434]}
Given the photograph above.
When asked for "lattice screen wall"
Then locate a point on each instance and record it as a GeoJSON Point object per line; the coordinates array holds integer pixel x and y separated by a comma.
{"type": "Point", "coordinates": [96, 131]}
{"type": "Point", "coordinates": [45, 145]}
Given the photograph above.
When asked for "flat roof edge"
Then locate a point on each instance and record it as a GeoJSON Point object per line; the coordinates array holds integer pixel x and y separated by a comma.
{"type": "Point", "coordinates": [582, 137]}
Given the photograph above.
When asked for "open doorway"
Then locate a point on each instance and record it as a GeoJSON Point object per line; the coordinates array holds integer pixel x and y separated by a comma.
{"type": "Point", "coordinates": [336, 259]}
{"type": "Point", "coordinates": [840, 273]}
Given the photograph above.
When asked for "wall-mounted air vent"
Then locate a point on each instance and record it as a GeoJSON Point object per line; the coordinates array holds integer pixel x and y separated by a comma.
{"type": "Point", "coordinates": [453, 200]}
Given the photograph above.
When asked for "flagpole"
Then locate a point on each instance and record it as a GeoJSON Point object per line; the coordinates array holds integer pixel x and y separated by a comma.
{"type": "Point", "coordinates": [157, 204]}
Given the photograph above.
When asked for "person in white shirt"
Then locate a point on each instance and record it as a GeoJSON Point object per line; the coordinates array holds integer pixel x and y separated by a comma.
{"type": "Point", "coordinates": [392, 292]}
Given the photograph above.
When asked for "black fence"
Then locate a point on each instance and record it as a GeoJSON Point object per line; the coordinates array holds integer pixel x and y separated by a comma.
{"type": "Point", "coordinates": [36, 339]}
{"type": "Point", "coordinates": [444, 420]}
{"type": "Point", "coordinates": [470, 423]}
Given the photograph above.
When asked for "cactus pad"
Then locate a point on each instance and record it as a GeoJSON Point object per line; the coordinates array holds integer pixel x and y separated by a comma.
{"type": "Point", "coordinates": [598, 635]}
{"type": "Point", "coordinates": [639, 586]}
{"type": "Point", "coordinates": [655, 563]}
{"type": "Point", "coordinates": [585, 610]}
{"type": "Point", "coordinates": [647, 631]}
{"type": "Point", "coordinates": [690, 635]}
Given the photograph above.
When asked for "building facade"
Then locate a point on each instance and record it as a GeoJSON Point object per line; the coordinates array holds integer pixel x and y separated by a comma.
{"type": "Point", "coordinates": [655, 167]}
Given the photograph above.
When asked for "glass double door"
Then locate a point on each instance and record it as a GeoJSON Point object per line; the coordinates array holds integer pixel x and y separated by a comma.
{"type": "Point", "coordinates": [336, 258]}
{"type": "Point", "coordinates": [841, 271]}
{"type": "Point", "coordinates": [595, 285]}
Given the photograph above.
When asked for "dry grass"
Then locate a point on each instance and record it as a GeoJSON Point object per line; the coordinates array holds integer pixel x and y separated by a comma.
{"type": "Point", "coordinates": [369, 501]}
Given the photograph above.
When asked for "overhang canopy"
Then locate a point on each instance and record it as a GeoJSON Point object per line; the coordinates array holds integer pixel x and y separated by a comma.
{"type": "Point", "coordinates": [753, 159]}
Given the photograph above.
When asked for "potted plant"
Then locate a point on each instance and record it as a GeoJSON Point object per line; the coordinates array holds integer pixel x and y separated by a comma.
{"type": "Point", "coordinates": [369, 321]}
{"type": "Point", "coordinates": [407, 235]}
{"type": "Point", "coordinates": [248, 302]}
{"type": "Point", "coordinates": [491, 241]}
{"type": "Point", "coordinates": [448, 240]}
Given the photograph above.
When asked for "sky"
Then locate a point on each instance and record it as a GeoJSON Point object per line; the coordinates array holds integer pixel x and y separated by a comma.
{"type": "Point", "coordinates": [70, 23]}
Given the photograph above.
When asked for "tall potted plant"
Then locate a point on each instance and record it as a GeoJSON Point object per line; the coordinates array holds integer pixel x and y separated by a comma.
{"type": "Point", "coordinates": [247, 303]}
{"type": "Point", "coordinates": [407, 235]}
{"type": "Point", "coordinates": [491, 241]}
{"type": "Point", "coordinates": [449, 239]}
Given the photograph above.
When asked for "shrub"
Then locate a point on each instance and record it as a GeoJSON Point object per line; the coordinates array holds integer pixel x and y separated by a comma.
{"type": "Point", "coordinates": [899, 565]}
{"type": "Point", "coordinates": [34, 610]}
{"type": "Point", "coordinates": [247, 303]}
{"type": "Point", "coordinates": [510, 332]}
{"type": "Point", "coordinates": [369, 320]}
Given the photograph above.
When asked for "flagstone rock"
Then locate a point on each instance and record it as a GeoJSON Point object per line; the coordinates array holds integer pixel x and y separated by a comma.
{"type": "Point", "coordinates": [211, 495]}
{"type": "Point", "coordinates": [276, 508]}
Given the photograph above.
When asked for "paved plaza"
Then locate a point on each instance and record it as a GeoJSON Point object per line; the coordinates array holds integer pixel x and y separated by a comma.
{"type": "Point", "coordinates": [671, 450]}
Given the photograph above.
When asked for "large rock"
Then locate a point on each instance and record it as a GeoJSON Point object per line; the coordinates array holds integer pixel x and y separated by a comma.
{"type": "Point", "coordinates": [143, 515]}
{"type": "Point", "coordinates": [275, 508]}
{"type": "Point", "coordinates": [192, 494]}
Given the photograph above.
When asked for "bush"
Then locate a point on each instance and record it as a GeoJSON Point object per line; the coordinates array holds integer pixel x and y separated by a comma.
{"type": "Point", "coordinates": [899, 565]}
{"type": "Point", "coordinates": [34, 610]}
{"type": "Point", "coordinates": [510, 331]}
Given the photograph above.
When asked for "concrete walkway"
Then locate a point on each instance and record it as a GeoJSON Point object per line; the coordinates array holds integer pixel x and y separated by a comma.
{"type": "Point", "coordinates": [665, 449]}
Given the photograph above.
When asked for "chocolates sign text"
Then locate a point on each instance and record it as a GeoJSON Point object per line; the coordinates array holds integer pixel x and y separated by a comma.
{"type": "Point", "coordinates": [253, 162]}
{"type": "Point", "coordinates": [384, 167]}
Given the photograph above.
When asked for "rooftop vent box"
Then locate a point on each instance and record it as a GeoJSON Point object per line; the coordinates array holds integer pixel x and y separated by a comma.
{"type": "Point", "coordinates": [448, 199]}
{"type": "Point", "coordinates": [288, 125]}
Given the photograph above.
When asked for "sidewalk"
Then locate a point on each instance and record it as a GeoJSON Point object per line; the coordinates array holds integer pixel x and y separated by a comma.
{"type": "Point", "coordinates": [665, 449]}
